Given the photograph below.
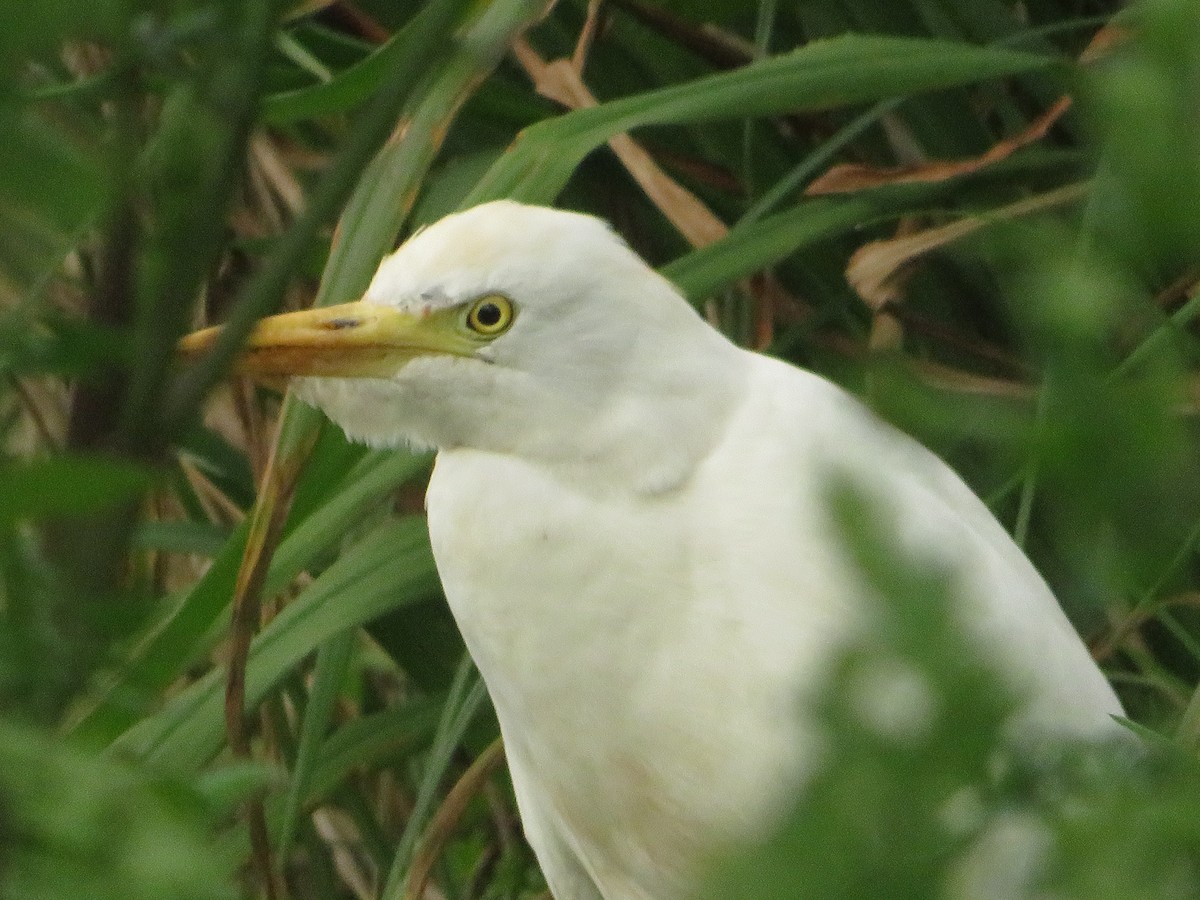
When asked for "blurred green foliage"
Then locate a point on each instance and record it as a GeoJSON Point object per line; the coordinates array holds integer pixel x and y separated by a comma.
{"type": "Point", "coordinates": [78, 825]}
{"type": "Point", "coordinates": [169, 163]}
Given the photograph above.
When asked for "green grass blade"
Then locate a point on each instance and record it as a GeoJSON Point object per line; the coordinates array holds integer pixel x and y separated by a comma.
{"type": "Point", "coordinates": [333, 660]}
{"type": "Point", "coordinates": [843, 71]}
{"type": "Point", "coordinates": [354, 85]}
{"type": "Point", "coordinates": [389, 568]}
{"type": "Point", "coordinates": [467, 695]}
{"type": "Point", "coordinates": [174, 644]}
{"type": "Point", "coordinates": [66, 485]}
{"type": "Point", "coordinates": [370, 740]}
{"type": "Point", "coordinates": [167, 650]}
{"type": "Point", "coordinates": [754, 247]}
{"type": "Point", "coordinates": [376, 475]}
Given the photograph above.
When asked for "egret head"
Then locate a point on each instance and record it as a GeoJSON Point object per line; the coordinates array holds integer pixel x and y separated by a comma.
{"type": "Point", "coordinates": [507, 328]}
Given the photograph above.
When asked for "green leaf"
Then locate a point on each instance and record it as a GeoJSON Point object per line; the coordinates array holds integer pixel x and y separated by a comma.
{"type": "Point", "coordinates": [756, 246]}
{"type": "Point", "coordinates": [839, 72]}
{"type": "Point", "coordinates": [63, 485]}
{"type": "Point", "coordinates": [81, 827]}
{"type": "Point", "coordinates": [467, 696]}
{"type": "Point", "coordinates": [333, 660]}
{"type": "Point", "coordinates": [200, 538]}
{"type": "Point", "coordinates": [389, 568]}
{"type": "Point", "coordinates": [385, 195]}
{"type": "Point", "coordinates": [352, 86]}
{"type": "Point", "coordinates": [370, 740]}
{"type": "Point", "coordinates": [168, 650]}
{"type": "Point", "coordinates": [31, 28]}
{"type": "Point", "coordinates": [174, 644]}
{"type": "Point", "coordinates": [379, 472]}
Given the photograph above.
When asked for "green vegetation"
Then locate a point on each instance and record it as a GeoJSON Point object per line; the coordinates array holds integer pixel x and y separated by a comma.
{"type": "Point", "coordinates": [1024, 305]}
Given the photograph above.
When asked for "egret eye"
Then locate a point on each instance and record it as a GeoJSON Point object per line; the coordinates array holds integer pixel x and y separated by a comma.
{"type": "Point", "coordinates": [491, 315]}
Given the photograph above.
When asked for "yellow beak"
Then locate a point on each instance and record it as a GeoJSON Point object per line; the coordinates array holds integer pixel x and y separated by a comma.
{"type": "Point", "coordinates": [353, 340]}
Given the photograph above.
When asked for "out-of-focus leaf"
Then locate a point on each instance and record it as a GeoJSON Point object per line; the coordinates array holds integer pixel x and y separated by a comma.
{"type": "Point", "coordinates": [909, 722]}
{"type": "Point", "coordinates": [1146, 99]}
{"type": "Point", "coordinates": [223, 464]}
{"type": "Point", "coordinates": [48, 193]}
{"type": "Point", "coordinates": [80, 827]}
{"type": "Point", "coordinates": [65, 485]}
{"type": "Point", "coordinates": [224, 787]}
{"type": "Point", "coordinates": [181, 537]}
{"type": "Point", "coordinates": [32, 28]}
{"type": "Point", "coordinates": [54, 345]}
{"type": "Point", "coordinates": [170, 648]}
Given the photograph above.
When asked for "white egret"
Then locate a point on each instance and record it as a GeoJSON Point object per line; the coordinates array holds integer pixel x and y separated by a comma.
{"type": "Point", "coordinates": [629, 516]}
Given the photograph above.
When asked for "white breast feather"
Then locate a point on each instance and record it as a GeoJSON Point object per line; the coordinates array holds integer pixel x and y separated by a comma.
{"type": "Point", "coordinates": [593, 618]}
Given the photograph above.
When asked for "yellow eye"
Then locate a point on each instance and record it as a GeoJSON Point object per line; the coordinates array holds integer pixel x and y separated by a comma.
{"type": "Point", "coordinates": [491, 315]}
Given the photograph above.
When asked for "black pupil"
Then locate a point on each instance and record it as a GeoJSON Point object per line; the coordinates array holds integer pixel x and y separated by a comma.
{"type": "Point", "coordinates": [488, 315]}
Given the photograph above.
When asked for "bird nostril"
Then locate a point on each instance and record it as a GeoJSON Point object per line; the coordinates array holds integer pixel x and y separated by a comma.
{"type": "Point", "coordinates": [339, 324]}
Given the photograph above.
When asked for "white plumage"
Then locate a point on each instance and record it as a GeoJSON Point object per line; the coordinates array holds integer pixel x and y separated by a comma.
{"type": "Point", "coordinates": [629, 516]}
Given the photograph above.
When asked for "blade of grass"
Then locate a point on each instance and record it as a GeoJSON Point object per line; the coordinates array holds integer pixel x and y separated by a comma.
{"type": "Point", "coordinates": [842, 71]}
{"type": "Point", "coordinates": [448, 816]}
{"type": "Point", "coordinates": [389, 568]}
{"type": "Point", "coordinates": [174, 644]}
{"type": "Point", "coordinates": [816, 161]}
{"type": "Point", "coordinates": [206, 139]}
{"type": "Point", "coordinates": [1161, 337]}
{"type": "Point", "coordinates": [388, 190]}
{"type": "Point", "coordinates": [333, 661]}
{"type": "Point", "coordinates": [350, 265]}
{"type": "Point", "coordinates": [750, 248]}
{"type": "Point", "coordinates": [467, 695]}
{"type": "Point", "coordinates": [266, 520]}
{"type": "Point", "coordinates": [386, 735]}
{"type": "Point", "coordinates": [298, 425]}
{"type": "Point", "coordinates": [379, 473]}
{"type": "Point", "coordinates": [354, 85]}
